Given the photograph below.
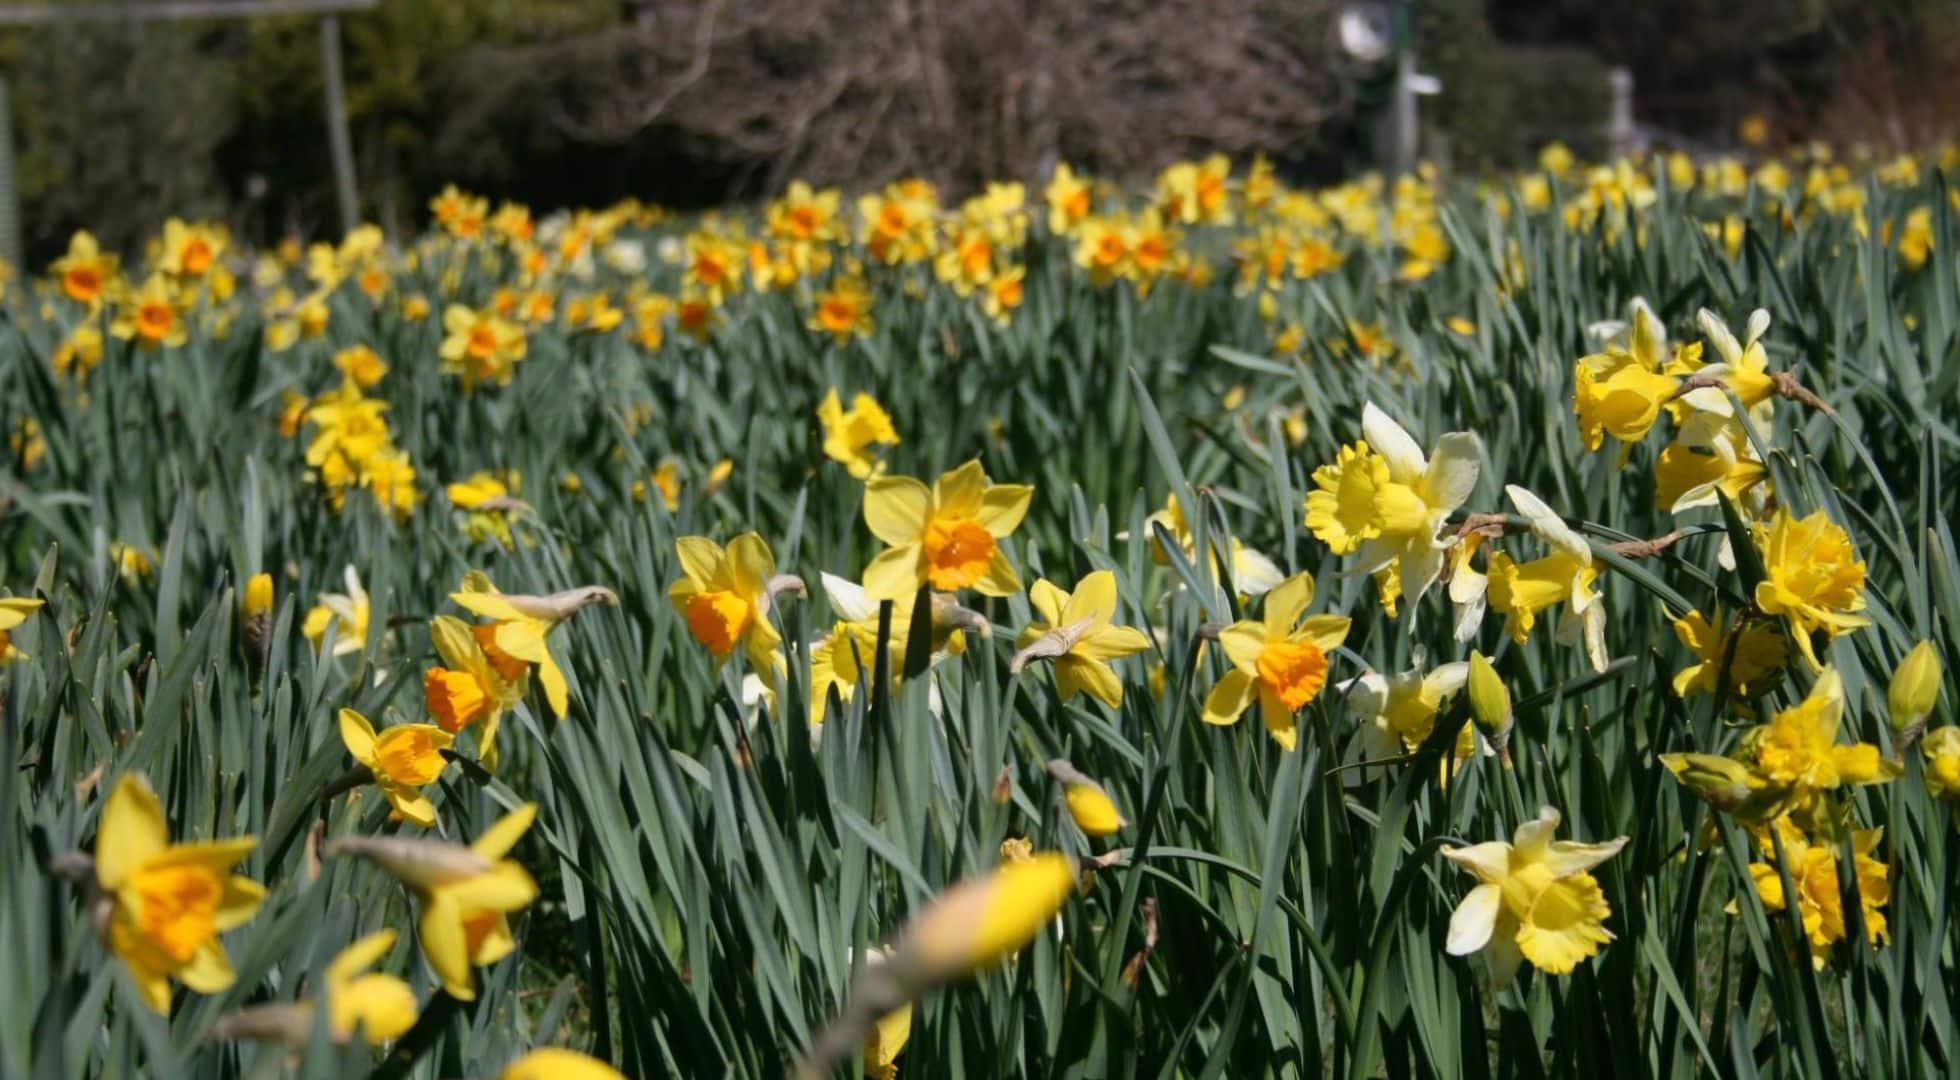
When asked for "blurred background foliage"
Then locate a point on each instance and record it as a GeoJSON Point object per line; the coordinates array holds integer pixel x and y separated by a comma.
{"type": "Point", "coordinates": [699, 102]}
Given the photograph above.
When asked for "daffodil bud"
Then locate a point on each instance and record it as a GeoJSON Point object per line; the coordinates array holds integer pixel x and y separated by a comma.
{"type": "Point", "coordinates": [419, 862]}
{"type": "Point", "coordinates": [255, 617]}
{"type": "Point", "coordinates": [1915, 688]}
{"type": "Point", "coordinates": [1490, 701]}
{"type": "Point", "coordinates": [258, 596]}
{"type": "Point", "coordinates": [1727, 785]}
{"type": "Point", "coordinates": [1094, 811]}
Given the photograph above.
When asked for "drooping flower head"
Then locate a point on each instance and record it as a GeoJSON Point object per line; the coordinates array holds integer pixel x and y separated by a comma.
{"type": "Point", "coordinates": [467, 893]}
{"type": "Point", "coordinates": [520, 623]}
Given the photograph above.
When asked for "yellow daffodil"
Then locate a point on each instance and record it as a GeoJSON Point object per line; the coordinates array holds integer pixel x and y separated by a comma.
{"type": "Point", "coordinates": [167, 903]}
{"type": "Point", "coordinates": [556, 1063]}
{"type": "Point", "coordinates": [1253, 574]}
{"type": "Point", "coordinates": [844, 310]}
{"type": "Point", "coordinates": [345, 613]}
{"type": "Point", "coordinates": [1813, 578]}
{"type": "Point", "coordinates": [378, 1007]}
{"type": "Point", "coordinates": [1711, 454]}
{"type": "Point", "coordinates": [1751, 651]}
{"type": "Point", "coordinates": [14, 611]}
{"type": "Point", "coordinates": [1385, 500]}
{"type": "Point", "coordinates": [467, 894]}
{"type": "Point", "coordinates": [150, 317]}
{"type": "Point", "coordinates": [361, 364]}
{"type": "Point", "coordinates": [86, 272]}
{"type": "Point", "coordinates": [845, 657]}
{"type": "Point", "coordinates": [1073, 631]}
{"type": "Point", "coordinates": [1397, 712]}
{"type": "Point", "coordinates": [1728, 785]}
{"type": "Point", "coordinates": [1534, 900]}
{"type": "Point", "coordinates": [522, 623]}
{"type": "Point", "coordinates": [190, 251]}
{"type": "Point", "coordinates": [1069, 200]}
{"type": "Point", "coordinates": [474, 684]}
{"type": "Point", "coordinates": [1813, 869]}
{"type": "Point", "coordinates": [1520, 591]}
{"type": "Point", "coordinates": [1620, 391]}
{"type": "Point", "coordinates": [850, 436]}
{"type": "Point", "coordinates": [724, 596]}
{"type": "Point", "coordinates": [946, 535]}
{"type": "Point", "coordinates": [404, 758]}
{"type": "Point", "coordinates": [885, 1040]}
{"type": "Point", "coordinates": [1798, 749]}
{"type": "Point", "coordinates": [1279, 660]}
{"type": "Point", "coordinates": [480, 346]}
{"type": "Point", "coordinates": [1909, 698]}
{"type": "Point", "coordinates": [970, 927]}
{"type": "Point", "coordinates": [1741, 367]}
{"type": "Point", "coordinates": [1941, 748]}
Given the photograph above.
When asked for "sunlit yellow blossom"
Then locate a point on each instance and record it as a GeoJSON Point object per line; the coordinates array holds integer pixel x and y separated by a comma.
{"type": "Point", "coordinates": [190, 251]}
{"type": "Point", "coordinates": [1279, 660]}
{"type": "Point", "coordinates": [86, 272]}
{"type": "Point", "coordinates": [554, 1063]}
{"type": "Point", "coordinates": [1812, 578]}
{"type": "Point", "coordinates": [1798, 749]}
{"type": "Point", "coordinates": [381, 1007]}
{"type": "Point", "coordinates": [723, 595]}
{"type": "Point", "coordinates": [1397, 712]}
{"type": "Point", "coordinates": [1385, 500]}
{"type": "Point", "coordinates": [1941, 748]}
{"type": "Point", "coordinates": [1534, 900]}
{"type": "Point", "coordinates": [1069, 200]}
{"type": "Point", "coordinates": [947, 534]}
{"type": "Point", "coordinates": [1620, 392]}
{"type": "Point", "coordinates": [149, 317]}
{"type": "Point", "coordinates": [850, 436]}
{"type": "Point", "coordinates": [404, 758]}
{"type": "Point", "coordinates": [1813, 869]}
{"type": "Point", "coordinates": [520, 623]}
{"type": "Point", "coordinates": [1195, 192]}
{"type": "Point", "coordinates": [345, 613]}
{"type": "Point", "coordinates": [170, 901]}
{"type": "Point", "coordinates": [79, 353]}
{"type": "Point", "coordinates": [1074, 631]}
{"type": "Point", "coordinates": [14, 611]}
{"type": "Point", "coordinates": [1751, 654]}
{"type": "Point", "coordinates": [480, 346]}
{"type": "Point", "coordinates": [467, 894]}
{"type": "Point", "coordinates": [361, 364]}
{"type": "Point", "coordinates": [1089, 805]}
{"type": "Point", "coordinates": [1521, 591]}
{"type": "Point", "coordinates": [844, 310]}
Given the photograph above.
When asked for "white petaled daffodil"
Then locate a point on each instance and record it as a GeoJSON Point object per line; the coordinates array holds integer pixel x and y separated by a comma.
{"type": "Point", "coordinates": [1534, 900]}
{"type": "Point", "coordinates": [1408, 503]}
{"type": "Point", "coordinates": [1397, 712]}
{"type": "Point", "coordinates": [1520, 591]}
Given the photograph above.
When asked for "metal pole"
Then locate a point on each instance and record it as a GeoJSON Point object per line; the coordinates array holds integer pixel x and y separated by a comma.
{"type": "Point", "coordinates": [9, 189]}
{"type": "Point", "coordinates": [1620, 132]}
{"type": "Point", "coordinates": [339, 143]}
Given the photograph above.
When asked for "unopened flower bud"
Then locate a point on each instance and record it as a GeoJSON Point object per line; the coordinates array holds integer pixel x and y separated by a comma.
{"type": "Point", "coordinates": [1490, 702]}
{"type": "Point", "coordinates": [1915, 689]}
